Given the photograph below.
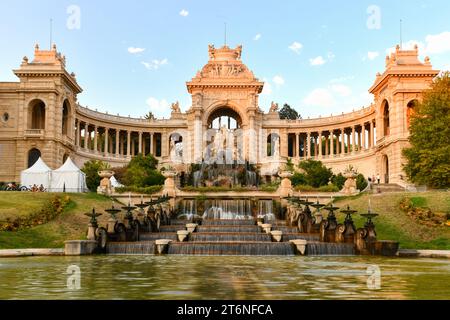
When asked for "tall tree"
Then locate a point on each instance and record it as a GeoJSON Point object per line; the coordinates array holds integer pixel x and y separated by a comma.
{"type": "Point", "coordinates": [287, 112]}
{"type": "Point", "coordinates": [428, 158]}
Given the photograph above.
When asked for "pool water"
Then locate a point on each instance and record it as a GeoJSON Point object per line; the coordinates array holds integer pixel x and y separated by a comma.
{"type": "Point", "coordinates": [219, 277]}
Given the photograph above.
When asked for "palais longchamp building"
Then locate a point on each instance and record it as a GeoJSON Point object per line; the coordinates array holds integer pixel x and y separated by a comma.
{"type": "Point", "coordinates": [40, 117]}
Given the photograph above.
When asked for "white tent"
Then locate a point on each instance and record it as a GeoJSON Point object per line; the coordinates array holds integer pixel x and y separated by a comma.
{"type": "Point", "coordinates": [115, 183]}
{"type": "Point", "coordinates": [68, 178]}
{"type": "Point", "coordinates": [39, 173]}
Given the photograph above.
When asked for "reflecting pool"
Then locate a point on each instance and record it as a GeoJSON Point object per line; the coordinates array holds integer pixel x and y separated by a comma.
{"type": "Point", "coordinates": [219, 277]}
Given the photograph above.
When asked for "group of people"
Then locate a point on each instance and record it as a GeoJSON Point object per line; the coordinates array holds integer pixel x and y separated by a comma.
{"type": "Point", "coordinates": [372, 180]}
{"type": "Point", "coordinates": [12, 186]}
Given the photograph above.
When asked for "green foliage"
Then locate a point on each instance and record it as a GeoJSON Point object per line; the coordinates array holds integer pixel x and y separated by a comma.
{"type": "Point", "coordinates": [145, 190]}
{"type": "Point", "coordinates": [338, 180]}
{"type": "Point", "coordinates": [316, 173]}
{"type": "Point", "coordinates": [428, 158]}
{"type": "Point", "coordinates": [289, 165]}
{"type": "Point", "coordinates": [418, 202]}
{"type": "Point", "coordinates": [50, 211]}
{"type": "Point", "coordinates": [287, 112]}
{"type": "Point", "coordinates": [142, 172]}
{"type": "Point", "coordinates": [298, 179]}
{"type": "Point", "coordinates": [325, 188]}
{"type": "Point", "coordinates": [91, 169]}
{"type": "Point", "coordinates": [361, 182]}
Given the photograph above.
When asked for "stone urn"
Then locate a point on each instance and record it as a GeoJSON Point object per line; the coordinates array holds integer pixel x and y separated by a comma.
{"type": "Point", "coordinates": [266, 227]}
{"type": "Point", "coordinates": [277, 235]}
{"type": "Point", "coordinates": [182, 235]}
{"type": "Point", "coordinates": [350, 184]}
{"type": "Point", "coordinates": [285, 188]}
{"type": "Point", "coordinates": [105, 183]}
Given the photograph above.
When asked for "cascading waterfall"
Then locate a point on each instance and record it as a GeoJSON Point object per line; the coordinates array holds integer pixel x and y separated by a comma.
{"type": "Point", "coordinates": [227, 210]}
{"type": "Point", "coordinates": [265, 210]}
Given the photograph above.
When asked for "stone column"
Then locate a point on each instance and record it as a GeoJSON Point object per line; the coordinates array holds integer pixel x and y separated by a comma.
{"type": "Point", "coordinates": [117, 142]}
{"type": "Point", "coordinates": [122, 144]}
{"type": "Point", "coordinates": [297, 147]}
{"type": "Point", "coordinates": [320, 144]}
{"type": "Point", "coordinates": [77, 138]}
{"type": "Point", "coordinates": [371, 134]}
{"type": "Point", "coordinates": [106, 140]}
{"type": "Point", "coordinates": [86, 129]}
{"type": "Point", "coordinates": [342, 141]}
{"type": "Point", "coordinates": [95, 139]}
{"type": "Point", "coordinates": [140, 143]}
{"type": "Point", "coordinates": [353, 140]}
{"type": "Point", "coordinates": [308, 145]}
{"type": "Point", "coordinates": [128, 144]}
{"type": "Point", "coordinates": [327, 144]}
{"type": "Point", "coordinates": [331, 143]}
{"type": "Point", "coordinates": [151, 144]}
{"type": "Point", "coordinates": [363, 133]}
{"type": "Point", "coordinates": [133, 148]}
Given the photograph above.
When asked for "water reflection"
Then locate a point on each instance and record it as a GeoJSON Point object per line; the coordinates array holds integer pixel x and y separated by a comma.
{"type": "Point", "coordinates": [179, 277]}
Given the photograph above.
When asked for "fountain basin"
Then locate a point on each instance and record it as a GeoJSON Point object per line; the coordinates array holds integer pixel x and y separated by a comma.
{"type": "Point", "coordinates": [300, 245]}
{"type": "Point", "coordinates": [182, 235]}
{"type": "Point", "coordinates": [386, 248]}
{"type": "Point", "coordinates": [191, 227]}
{"type": "Point", "coordinates": [162, 245]}
{"type": "Point", "coordinates": [79, 247]}
{"type": "Point", "coordinates": [277, 235]}
{"type": "Point", "coordinates": [266, 227]}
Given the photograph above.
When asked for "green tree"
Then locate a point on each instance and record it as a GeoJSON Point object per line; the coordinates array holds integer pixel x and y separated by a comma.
{"type": "Point", "coordinates": [142, 172]}
{"type": "Point", "coordinates": [338, 180]}
{"type": "Point", "coordinates": [316, 173]}
{"type": "Point", "coordinates": [150, 116]}
{"type": "Point", "coordinates": [287, 112]}
{"type": "Point", "coordinates": [428, 158]}
{"type": "Point", "coordinates": [91, 169]}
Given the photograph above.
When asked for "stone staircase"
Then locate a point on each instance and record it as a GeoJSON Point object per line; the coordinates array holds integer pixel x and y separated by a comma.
{"type": "Point", "coordinates": [386, 187]}
{"type": "Point", "coordinates": [227, 237]}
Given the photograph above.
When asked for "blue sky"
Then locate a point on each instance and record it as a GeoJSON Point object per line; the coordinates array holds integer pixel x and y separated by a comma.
{"type": "Point", "coordinates": [134, 56]}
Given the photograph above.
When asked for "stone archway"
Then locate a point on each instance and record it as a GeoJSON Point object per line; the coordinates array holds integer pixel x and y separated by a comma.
{"type": "Point", "coordinates": [386, 120]}
{"type": "Point", "coordinates": [410, 110]}
{"type": "Point", "coordinates": [36, 114]}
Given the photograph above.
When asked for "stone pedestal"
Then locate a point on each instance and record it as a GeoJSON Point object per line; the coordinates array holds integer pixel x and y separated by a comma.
{"type": "Point", "coordinates": [105, 184]}
{"type": "Point", "coordinates": [91, 232]}
{"type": "Point", "coordinates": [79, 247]}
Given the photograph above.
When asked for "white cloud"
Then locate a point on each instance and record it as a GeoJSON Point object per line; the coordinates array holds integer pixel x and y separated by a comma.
{"type": "Point", "coordinates": [317, 61]}
{"type": "Point", "coordinates": [184, 13]}
{"type": "Point", "coordinates": [320, 98]}
{"type": "Point", "coordinates": [134, 50]}
{"type": "Point", "coordinates": [438, 43]}
{"type": "Point", "coordinates": [267, 90]}
{"type": "Point", "coordinates": [341, 89]}
{"type": "Point", "coordinates": [257, 37]}
{"type": "Point", "coordinates": [278, 80]}
{"type": "Point", "coordinates": [296, 47]}
{"type": "Point", "coordinates": [372, 55]}
{"type": "Point", "coordinates": [155, 64]}
{"type": "Point", "coordinates": [159, 108]}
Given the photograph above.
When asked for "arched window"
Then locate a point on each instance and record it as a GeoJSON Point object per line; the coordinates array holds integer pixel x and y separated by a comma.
{"type": "Point", "coordinates": [65, 117]}
{"type": "Point", "coordinates": [410, 109]}
{"type": "Point", "coordinates": [36, 111]}
{"type": "Point", "coordinates": [273, 145]}
{"type": "Point", "coordinates": [386, 125]}
{"type": "Point", "coordinates": [33, 156]}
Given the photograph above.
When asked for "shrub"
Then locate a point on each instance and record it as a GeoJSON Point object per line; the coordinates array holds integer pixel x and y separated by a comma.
{"type": "Point", "coordinates": [142, 172]}
{"type": "Point", "coordinates": [316, 173]}
{"type": "Point", "coordinates": [145, 190]}
{"type": "Point", "coordinates": [91, 169]}
{"type": "Point", "coordinates": [298, 179]}
{"type": "Point", "coordinates": [361, 182]}
{"type": "Point", "coordinates": [338, 180]}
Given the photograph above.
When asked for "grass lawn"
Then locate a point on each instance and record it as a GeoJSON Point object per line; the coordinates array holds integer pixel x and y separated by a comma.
{"type": "Point", "coordinates": [394, 224]}
{"type": "Point", "coordinates": [71, 224]}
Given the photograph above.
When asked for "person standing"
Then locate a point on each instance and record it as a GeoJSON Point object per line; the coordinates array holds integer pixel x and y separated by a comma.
{"type": "Point", "coordinates": [378, 178]}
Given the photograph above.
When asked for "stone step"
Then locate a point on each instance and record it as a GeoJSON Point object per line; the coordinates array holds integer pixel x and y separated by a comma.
{"type": "Point", "coordinates": [140, 247]}
{"type": "Point", "coordinates": [229, 236]}
{"type": "Point", "coordinates": [172, 228]}
{"type": "Point", "coordinates": [285, 229]}
{"type": "Point", "coordinates": [208, 222]}
{"type": "Point", "coordinates": [228, 228]}
{"type": "Point", "coordinates": [303, 236]}
{"type": "Point", "coordinates": [232, 248]}
{"type": "Point", "coordinates": [157, 235]}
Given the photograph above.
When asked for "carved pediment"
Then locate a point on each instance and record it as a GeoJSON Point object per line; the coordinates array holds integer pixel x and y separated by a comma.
{"type": "Point", "coordinates": [226, 70]}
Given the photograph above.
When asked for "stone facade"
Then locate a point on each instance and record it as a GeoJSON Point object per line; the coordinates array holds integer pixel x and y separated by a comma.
{"type": "Point", "coordinates": [40, 115]}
